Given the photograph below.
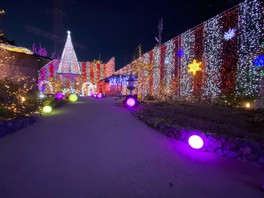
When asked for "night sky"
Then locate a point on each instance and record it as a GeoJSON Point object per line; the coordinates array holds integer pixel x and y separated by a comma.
{"type": "Point", "coordinates": [111, 28]}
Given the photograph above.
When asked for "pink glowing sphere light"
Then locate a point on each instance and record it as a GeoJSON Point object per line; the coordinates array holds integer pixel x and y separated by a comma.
{"type": "Point", "coordinates": [196, 142]}
{"type": "Point", "coordinates": [131, 102]}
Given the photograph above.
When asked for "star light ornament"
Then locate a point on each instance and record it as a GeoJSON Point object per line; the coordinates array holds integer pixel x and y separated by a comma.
{"type": "Point", "coordinates": [194, 67]}
{"type": "Point", "coordinates": [230, 34]}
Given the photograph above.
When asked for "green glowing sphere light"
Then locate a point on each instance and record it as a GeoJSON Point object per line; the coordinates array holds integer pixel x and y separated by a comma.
{"type": "Point", "coordinates": [73, 98]}
{"type": "Point", "coordinates": [47, 109]}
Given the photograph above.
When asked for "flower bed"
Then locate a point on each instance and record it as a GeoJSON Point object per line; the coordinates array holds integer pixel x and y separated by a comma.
{"type": "Point", "coordinates": [12, 125]}
{"type": "Point", "coordinates": [229, 132]}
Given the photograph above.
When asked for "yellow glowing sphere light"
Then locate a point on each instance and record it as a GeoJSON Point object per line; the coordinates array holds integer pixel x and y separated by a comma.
{"type": "Point", "coordinates": [248, 105]}
{"type": "Point", "coordinates": [73, 98]}
{"type": "Point", "coordinates": [47, 109]}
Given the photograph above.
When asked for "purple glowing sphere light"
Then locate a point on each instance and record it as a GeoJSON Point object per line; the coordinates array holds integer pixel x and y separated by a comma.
{"type": "Point", "coordinates": [99, 95]}
{"type": "Point", "coordinates": [131, 102]}
{"type": "Point", "coordinates": [59, 96]}
{"type": "Point", "coordinates": [196, 142]}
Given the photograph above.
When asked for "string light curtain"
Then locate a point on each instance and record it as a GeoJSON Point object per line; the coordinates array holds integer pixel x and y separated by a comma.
{"type": "Point", "coordinates": [251, 28]}
{"type": "Point", "coordinates": [226, 45]}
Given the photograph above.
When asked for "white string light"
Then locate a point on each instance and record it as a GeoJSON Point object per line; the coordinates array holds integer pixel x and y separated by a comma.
{"type": "Point", "coordinates": [169, 63]}
{"type": "Point", "coordinates": [156, 71]}
{"type": "Point", "coordinates": [251, 26]}
{"type": "Point", "coordinates": [212, 58]}
{"type": "Point", "coordinates": [188, 41]}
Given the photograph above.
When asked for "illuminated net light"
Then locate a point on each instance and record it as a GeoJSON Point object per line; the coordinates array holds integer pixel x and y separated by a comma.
{"type": "Point", "coordinates": [73, 98]}
{"type": "Point", "coordinates": [47, 109]}
{"type": "Point", "coordinates": [212, 57]}
{"type": "Point", "coordinates": [59, 96]}
{"type": "Point", "coordinates": [130, 102]}
{"type": "Point", "coordinates": [251, 26]}
{"type": "Point", "coordinates": [15, 48]}
{"type": "Point", "coordinates": [156, 71]}
{"type": "Point", "coordinates": [229, 34]}
{"type": "Point", "coordinates": [186, 80]}
{"type": "Point", "coordinates": [196, 142]}
{"type": "Point", "coordinates": [146, 74]}
{"type": "Point", "coordinates": [194, 67]}
{"type": "Point", "coordinates": [169, 65]}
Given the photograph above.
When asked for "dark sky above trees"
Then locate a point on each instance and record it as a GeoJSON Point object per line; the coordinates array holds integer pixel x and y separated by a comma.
{"type": "Point", "coordinates": [109, 28]}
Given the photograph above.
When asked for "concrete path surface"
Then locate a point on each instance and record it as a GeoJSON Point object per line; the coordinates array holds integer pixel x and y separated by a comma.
{"type": "Point", "coordinates": [93, 148]}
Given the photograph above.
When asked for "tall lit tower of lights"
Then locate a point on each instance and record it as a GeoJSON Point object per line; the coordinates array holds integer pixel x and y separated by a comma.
{"type": "Point", "coordinates": [68, 66]}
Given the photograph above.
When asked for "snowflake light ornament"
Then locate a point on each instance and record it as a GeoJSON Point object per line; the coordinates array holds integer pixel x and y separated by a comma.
{"type": "Point", "coordinates": [194, 67]}
{"type": "Point", "coordinates": [230, 34]}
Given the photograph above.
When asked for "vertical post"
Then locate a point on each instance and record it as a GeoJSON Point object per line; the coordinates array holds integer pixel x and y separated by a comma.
{"type": "Point", "coordinates": [160, 27]}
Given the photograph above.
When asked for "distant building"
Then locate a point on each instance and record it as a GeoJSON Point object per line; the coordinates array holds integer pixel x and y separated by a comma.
{"type": "Point", "coordinates": [70, 75]}
{"type": "Point", "coordinates": [18, 61]}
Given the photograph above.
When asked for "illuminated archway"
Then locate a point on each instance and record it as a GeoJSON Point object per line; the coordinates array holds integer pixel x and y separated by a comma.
{"type": "Point", "coordinates": [88, 88]}
{"type": "Point", "coordinates": [51, 90]}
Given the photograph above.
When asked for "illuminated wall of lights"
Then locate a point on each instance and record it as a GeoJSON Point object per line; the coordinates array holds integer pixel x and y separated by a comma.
{"type": "Point", "coordinates": [212, 58]}
{"type": "Point", "coordinates": [146, 60]}
{"type": "Point", "coordinates": [156, 71]}
{"type": "Point", "coordinates": [169, 63]}
{"type": "Point", "coordinates": [251, 27]}
{"type": "Point", "coordinates": [186, 79]}
{"type": "Point", "coordinates": [139, 72]}
{"type": "Point", "coordinates": [228, 46]}
{"type": "Point", "coordinates": [90, 72]}
{"type": "Point", "coordinates": [110, 67]}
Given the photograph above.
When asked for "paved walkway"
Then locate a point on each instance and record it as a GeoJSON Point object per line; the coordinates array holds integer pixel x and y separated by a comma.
{"type": "Point", "coordinates": [94, 148]}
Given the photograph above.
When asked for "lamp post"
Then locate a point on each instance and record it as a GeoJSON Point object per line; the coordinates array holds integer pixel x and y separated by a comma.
{"type": "Point", "coordinates": [131, 84]}
{"type": "Point", "coordinates": [131, 100]}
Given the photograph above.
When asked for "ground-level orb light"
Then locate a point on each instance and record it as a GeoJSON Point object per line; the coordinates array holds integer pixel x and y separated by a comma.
{"type": "Point", "coordinates": [130, 102]}
{"type": "Point", "coordinates": [59, 96]}
{"type": "Point", "coordinates": [196, 142]}
{"type": "Point", "coordinates": [247, 105]}
{"type": "Point", "coordinates": [73, 97]}
{"type": "Point", "coordinates": [47, 109]}
{"type": "Point", "coordinates": [99, 95]}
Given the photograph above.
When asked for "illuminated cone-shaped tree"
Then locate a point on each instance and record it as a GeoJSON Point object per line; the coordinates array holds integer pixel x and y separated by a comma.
{"type": "Point", "coordinates": [69, 66]}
